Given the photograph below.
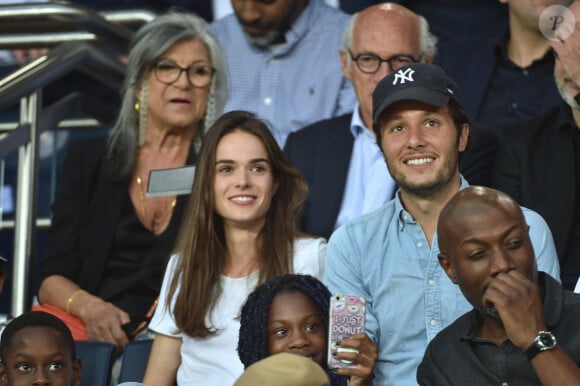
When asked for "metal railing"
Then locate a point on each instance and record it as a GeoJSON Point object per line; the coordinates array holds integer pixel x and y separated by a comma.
{"type": "Point", "coordinates": [50, 24]}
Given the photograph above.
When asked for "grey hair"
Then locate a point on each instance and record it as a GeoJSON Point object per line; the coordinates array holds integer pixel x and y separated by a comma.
{"type": "Point", "coordinates": [143, 107]}
{"type": "Point", "coordinates": [427, 43]}
{"type": "Point", "coordinates": [148, 44]}
{"type": "Point", "coordinates": [348, 32]}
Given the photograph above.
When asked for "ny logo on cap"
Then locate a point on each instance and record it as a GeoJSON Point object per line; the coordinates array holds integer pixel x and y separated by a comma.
{"type": "Point", "coordinates": [403, 76]}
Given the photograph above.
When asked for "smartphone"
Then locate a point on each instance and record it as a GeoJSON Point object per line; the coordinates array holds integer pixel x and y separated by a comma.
{"type": "Point", "coordinates": [133, 328]}
{"type": "Point", "coordinates": [347, 317]}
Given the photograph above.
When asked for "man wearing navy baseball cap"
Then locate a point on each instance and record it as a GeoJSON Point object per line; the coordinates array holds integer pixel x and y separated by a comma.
{"type": "Point", "coordinates": [417, 82]}
{"type": "Point", "coordinates": [390, 256]}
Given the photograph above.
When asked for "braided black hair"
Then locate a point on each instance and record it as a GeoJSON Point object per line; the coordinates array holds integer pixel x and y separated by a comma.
{"type": "Point", "coordinates": [253, 336]}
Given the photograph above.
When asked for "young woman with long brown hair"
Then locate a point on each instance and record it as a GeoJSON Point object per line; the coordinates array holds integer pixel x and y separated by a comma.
{"type": "Point", "coordinates": [239, 230]}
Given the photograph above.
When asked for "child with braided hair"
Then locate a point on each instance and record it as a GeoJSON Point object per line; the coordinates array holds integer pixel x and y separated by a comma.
{"type": "Point", "coordinates": [289, 313]}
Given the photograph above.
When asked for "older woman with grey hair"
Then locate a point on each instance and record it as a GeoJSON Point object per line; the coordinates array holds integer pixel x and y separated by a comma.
{"type": "Point", "coordinates": [109, 243]}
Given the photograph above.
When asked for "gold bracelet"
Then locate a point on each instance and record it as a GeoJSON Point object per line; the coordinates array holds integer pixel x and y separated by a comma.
{"type": "Point", "coordinates": [71, 298]}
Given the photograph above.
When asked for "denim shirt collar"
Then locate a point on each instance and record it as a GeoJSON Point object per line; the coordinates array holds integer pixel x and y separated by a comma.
{"type": "Point", "coordinates": [404, 216]}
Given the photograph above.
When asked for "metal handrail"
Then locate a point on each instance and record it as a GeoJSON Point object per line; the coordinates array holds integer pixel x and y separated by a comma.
{"type": "Point", "coordinates": [25, 204]}
{"type": "Point", "coordinates": [50, 118]}
{"type": "Point", "coordinates": [41, 222]}
{"type": "Point", "coordinates": [58, 62]}
{"type": "Point", "coordinates": [132, 19]}
{"type": "Point", "coordinates": [50, 23]}
{"type": "Point", "coordinates": [26, 85]}
{"type": "Point", "coordinates": [67, 124]}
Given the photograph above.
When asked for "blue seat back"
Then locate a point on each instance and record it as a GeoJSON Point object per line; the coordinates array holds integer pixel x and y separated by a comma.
{"type": "Point", "coordinates": [97, 359]}
{"type": "Point", "coordinates": [134, 363]}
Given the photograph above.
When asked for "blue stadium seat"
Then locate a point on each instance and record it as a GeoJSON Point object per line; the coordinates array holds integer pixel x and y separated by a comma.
{"type": "Point", "coordinates": [97, 359]}
{"type": "Point", "coordinates": [134, 363]}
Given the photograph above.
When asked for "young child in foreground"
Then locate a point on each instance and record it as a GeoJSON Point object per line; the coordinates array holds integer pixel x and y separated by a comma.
{"type": "Point", "coordinates": [290, 314]}
{"type": "Point", "coordinates": [37, 348]}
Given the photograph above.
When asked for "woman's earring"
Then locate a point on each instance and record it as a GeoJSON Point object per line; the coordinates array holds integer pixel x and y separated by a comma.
{"type": "Point", "coordinates": [137, 106]}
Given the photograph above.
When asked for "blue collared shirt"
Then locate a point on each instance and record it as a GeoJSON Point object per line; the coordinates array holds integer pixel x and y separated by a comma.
{"type": "Point", "coordinates": [294, 84]}
{"type": "Point", "coordinates": [385, 257]}
{"type": "Point", "coordinates": [368, 183]}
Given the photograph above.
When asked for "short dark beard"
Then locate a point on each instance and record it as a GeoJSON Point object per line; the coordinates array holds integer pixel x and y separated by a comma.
{"type": "Point", "coordinates": [264, 41]}
{"type": "Point", "coordinates": [430, 191]}
{"type": "Point", "coordinates": [443, 179]}
{"type": "Point", "coordinates": [489, 311]}
{"type": "Point", "coordinates": [277, 35]}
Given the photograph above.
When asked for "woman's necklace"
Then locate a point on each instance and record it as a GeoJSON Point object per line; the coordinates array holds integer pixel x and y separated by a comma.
{"type": "Point", "coordinates": [158, 223]}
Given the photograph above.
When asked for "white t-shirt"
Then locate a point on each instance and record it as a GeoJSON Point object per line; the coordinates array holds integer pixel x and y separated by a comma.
{"type": "Point", "coordinates": [214, 360]}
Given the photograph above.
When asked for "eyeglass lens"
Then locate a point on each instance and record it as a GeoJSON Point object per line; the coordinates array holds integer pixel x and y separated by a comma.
{"type": "Point", "coordinates": [370, 63]}
{"type": "Point", "coordinates": [199, 74]}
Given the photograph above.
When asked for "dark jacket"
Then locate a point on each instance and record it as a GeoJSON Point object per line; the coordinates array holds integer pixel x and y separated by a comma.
{"type": "Point", "coordinates": [535, 165]}
{"type": "Point", "coordinates": [321, 152]}
{"type": "Point", "coordinates": [86, 212]}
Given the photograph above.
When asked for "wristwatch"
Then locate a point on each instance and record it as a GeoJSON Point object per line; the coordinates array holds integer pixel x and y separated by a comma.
{"type": "Point", "coordinates": [544, 341]}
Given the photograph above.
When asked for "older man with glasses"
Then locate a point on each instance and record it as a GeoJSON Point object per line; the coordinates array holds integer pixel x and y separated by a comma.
{"type": "Point", "coordinates": [344, 167]}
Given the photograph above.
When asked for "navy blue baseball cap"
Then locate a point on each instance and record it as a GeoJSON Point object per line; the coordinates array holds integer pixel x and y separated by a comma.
{"type": "Point", "coordinates": [420, 82]}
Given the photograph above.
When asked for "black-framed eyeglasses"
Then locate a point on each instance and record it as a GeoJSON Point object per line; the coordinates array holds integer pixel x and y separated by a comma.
{"type": "Point", "coordinates": [370, 63]}
{"type": "Point", "coordinates": [199, 74]}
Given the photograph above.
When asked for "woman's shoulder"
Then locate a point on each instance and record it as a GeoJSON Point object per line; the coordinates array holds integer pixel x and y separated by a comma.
{"type": "Point", "coordinates": [172, 263]}
{"type": "Point", "coordinates": [306, 242]}
{"type": "Point", "coordinates": [309, 255]}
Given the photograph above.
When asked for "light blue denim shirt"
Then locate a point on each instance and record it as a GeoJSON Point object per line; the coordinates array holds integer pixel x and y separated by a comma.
{"type": "Point", "coordinates": [294, 84]}
{"type": "Point", "coordinates": [385, 257]}
{"type": "Point", "coordinates": [369, 184]}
